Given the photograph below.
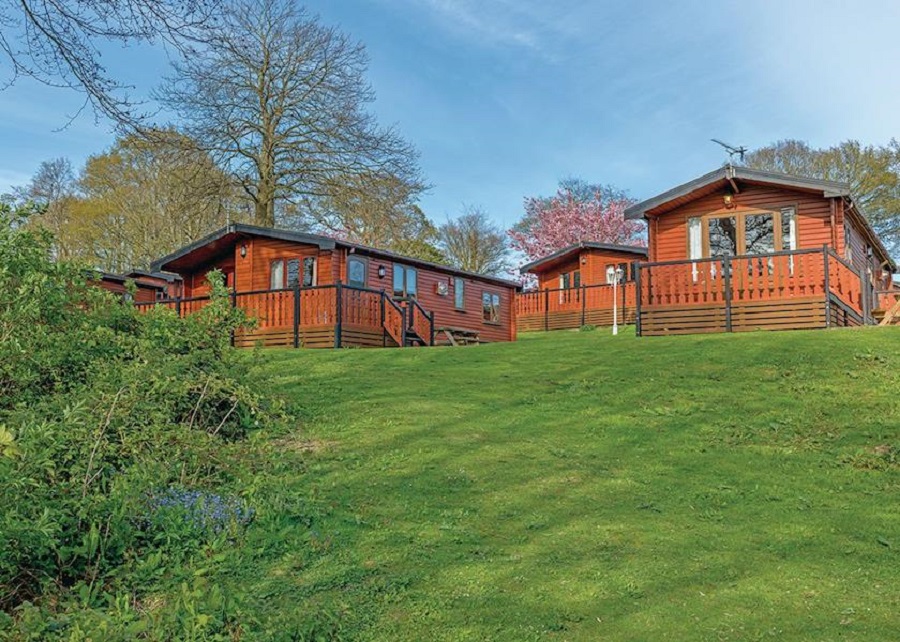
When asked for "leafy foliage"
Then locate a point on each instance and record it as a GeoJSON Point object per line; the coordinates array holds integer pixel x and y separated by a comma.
{"type": "Point", "coordinates": [112, 428]}
{"type": "Point", "coordinates": [872, 171]}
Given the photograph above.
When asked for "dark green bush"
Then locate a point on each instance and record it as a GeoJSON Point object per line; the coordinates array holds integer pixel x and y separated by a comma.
{"type": "Point", "coordinates": [103, 410]}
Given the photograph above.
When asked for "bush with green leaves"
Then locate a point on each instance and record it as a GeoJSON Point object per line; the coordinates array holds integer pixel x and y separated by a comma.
{"type": "Point", "coordinates": [103, 410]}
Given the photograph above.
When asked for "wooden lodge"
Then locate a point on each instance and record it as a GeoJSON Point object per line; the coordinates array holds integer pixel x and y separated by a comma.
{"type": "Point", "coordinates": [148, 286]}
{"type": "Point", "coordinates": [740, 249]}
{"type": "Point", "coordinates": [307, 290]}
{"type": "Point", "coordinates": [578, 285]}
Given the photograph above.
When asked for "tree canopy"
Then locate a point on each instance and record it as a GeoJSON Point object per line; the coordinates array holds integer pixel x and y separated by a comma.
{"type": "Point", "coordinates": [579, 211]}
{"type": "Point", "coordinates": [280, 100]}
{"type": "Point", "coordinates": [871, 171]}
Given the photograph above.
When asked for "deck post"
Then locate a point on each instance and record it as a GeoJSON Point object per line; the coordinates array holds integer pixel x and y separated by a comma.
{"type": "Point", "coordinates": [178, 307]}
{"type": "Point", "coordinates": [827, 288]}
{"type": "Point", "coordinates": [405, 310]}
{"type": "Point", "coordinates": [726, 275]}
{"type": "Point", "coordinates": [637, 297]}
{"type": "Point", "coordinates": [297, 314]}
{"type": "Point", "coordinates": [583, 303]}
{"type": "Point", "coordinates": [383, 329]}
{"type": "Point", "coordinates": [624, 300]}
{"type": "Point", "coordinates": [233, 298]}
{"type": "Point", "coordinates": [546, 310]}
{"type": "Point", "coordinates": [339, 301]}
{"type": "Point", "coordinates": [431, 318]}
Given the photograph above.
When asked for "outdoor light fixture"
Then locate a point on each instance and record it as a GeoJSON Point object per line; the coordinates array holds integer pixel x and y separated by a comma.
{"type": "Point", "coordinates": [381, 271]}
{"type": "Point", "coordinates": [619, 274]}
{"type": "Point", "coordinates": [243, 250]}
{"type": "Point", "coordinates": [729, 199]}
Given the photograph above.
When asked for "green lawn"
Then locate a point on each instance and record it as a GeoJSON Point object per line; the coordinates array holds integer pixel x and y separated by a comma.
{"type": "Point", "coordinates": [578, 486]}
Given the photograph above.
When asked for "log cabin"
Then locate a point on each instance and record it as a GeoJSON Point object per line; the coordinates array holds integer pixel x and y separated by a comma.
{"type": "Point", "coordinates": [309, 290]}
{"type": "Point", "coordinates": [740, 249]}
{"type": "Point", "coordinates": [148, 286]}
{"type": "Point", "coordinates": [578, 285]}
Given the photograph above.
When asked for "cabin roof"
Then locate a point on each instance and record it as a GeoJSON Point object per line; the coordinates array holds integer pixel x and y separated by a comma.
{"type": "Point", "coordinates": [137, 276]}
{"type": "Point", "coordinates": [567, 252]}
{"type": "Point", "coordinates": [714, 180]}
{"type": "Point", "coordinates": [730, 175]}
{"type": "Point", "coordinates": [215, 243]}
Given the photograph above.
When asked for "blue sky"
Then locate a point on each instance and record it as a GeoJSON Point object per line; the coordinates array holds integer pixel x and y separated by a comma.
{"type": "Point", "coordinates": [505, 97]}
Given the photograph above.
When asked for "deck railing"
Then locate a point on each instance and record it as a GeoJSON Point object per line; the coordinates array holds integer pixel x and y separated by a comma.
{"type": "Point", "coordinates": [338, 306]}
{"type": "Point", "coordinates": [729, 282]}
{"type": "Point", "coordinates": [574, 307]}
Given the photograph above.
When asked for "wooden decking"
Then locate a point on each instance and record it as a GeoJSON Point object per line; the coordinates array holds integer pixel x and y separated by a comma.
{"type": "Point", "coordinates": [546, 310]}
{"type": "Point", "coordinates": [803, 289]}
{"type": "Point", "coordinates": [328, 316]}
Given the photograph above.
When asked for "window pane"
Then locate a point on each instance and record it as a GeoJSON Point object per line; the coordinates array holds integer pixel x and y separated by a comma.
{"type": "Point", "coordinates": [623, 272]}
{"type": "Point", "coordinates": [399, 289]}
{"type": "Point", "coordinates": [495, 308]}
{"type": "Point", "coordinates": [759, 233]}
{"type": "Point", "coordinates": [459, 293]}
{"type": "Point", "coordinates": [276, 275]}
{"type": "Point", "coordinates": [410, 281]}
{"type": "Point", "coordinates": [695, 238]}
{"type": "Point", "coordinates": [576, 279]}
{"type": "Point", "coordinates": [486, 306]}
{"type": "Point", "coordinates": [788, 229]}
{"type": "Point", "coordinates": [564, 282]}
{"type": "Point", "coordinates": [293, 272]}
{"type": "Point", "coordinates": [356, 272]}
{"type": "Point", "coordinates": [722, 236]}
{"type": "Point", "coordinates": [309, 271]}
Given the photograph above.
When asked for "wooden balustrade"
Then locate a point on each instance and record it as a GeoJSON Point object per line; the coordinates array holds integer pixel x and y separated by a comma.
{"type": "Point", "coordinates": [845, 282]}
{"type": "Point", "coordinates": [797, 289]}
{"type": "Point", "coordinates": [574, 307]}
{"type": "Point", "coordinates": [360, 307]}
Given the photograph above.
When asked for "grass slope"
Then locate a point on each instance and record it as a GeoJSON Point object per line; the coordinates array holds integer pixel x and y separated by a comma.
{"type": "Point", "coordinates": [578, 486]}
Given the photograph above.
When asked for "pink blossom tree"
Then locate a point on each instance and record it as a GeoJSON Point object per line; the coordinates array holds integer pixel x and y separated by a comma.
{"type": "Point", "coordinates": [578, 212]}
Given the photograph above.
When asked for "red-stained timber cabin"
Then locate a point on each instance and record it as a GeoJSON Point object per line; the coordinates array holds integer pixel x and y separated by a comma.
{"type": "Point", "coordinates": [740, 249]}
{"type": "Point", "coordinates": [307, 290]}
{"type": "Point", "coordinates": [577, 286]}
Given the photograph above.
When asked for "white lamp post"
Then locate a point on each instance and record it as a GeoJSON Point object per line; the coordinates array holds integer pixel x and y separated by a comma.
{"type": "Point", "coordinates": [618, 276]}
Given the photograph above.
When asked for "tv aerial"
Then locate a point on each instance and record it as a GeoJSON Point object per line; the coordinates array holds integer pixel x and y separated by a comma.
{"type": "Point", "coordinates": [732, 150]}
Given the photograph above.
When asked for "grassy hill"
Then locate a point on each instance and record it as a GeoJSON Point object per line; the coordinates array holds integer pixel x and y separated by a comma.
{"type": "Point", "coordinates": [578, 486]}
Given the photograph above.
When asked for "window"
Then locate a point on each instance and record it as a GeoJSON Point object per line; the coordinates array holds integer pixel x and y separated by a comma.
{"type": "Point", "coordinates": [722, 236]}
{"type": "Point", "coordinates": [611, 270]}
{"type": "Point", "coordinates": [459, 293]}
{"type": "Point", "coordinates": [276, 274]}
{"type": "Point", "coordinates": [286, 273]}
{"type": "Point", "coordinates": [848, 243]}
{"type": "Point", "coordinates": [356, 271]}
{"type": "Point", "coordinates": [404, 280]}
{"type": "Point", "coordinates": [623, 271]}
{"type": "Point", "coordinates": [576, 279]}
{"type": "Point", "coordinates": [564, 281]}
{"type": "Point", "coordinates": [788, 229]}
{"type": "Point", "coordinates": [309, 271]}
{"type": "Point", "coordinates": [740, 234]}
{"type": "Point", "coordinates": [491, 305]}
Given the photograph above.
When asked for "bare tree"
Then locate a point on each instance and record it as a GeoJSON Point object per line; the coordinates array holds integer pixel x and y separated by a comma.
{"type": "Point", "coordinates": [472, 242]}
{"type": "Point", "coordinates": [57, 42]}
{"type": "Point", "coordinates": [280, 100]}
{"type": "Point", "coordinates": [53, 188]}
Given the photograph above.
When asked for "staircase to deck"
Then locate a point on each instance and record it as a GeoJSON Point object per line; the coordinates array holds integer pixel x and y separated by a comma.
{"type": "Point", "coordinates": [887, 311]}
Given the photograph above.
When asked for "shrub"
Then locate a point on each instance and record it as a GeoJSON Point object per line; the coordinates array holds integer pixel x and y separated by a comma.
{"type": "Point", "coordinates": [112, 427]}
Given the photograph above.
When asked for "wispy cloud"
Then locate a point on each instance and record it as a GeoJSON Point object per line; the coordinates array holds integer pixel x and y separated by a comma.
{"type": "Point", "coordinates": [535, 27]}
